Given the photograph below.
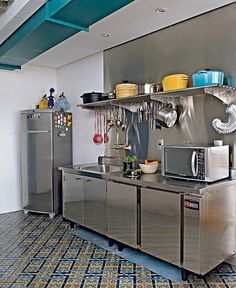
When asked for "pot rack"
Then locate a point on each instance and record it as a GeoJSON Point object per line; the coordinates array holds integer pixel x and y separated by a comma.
{"type": "Point", "coordinates": [225, 93]}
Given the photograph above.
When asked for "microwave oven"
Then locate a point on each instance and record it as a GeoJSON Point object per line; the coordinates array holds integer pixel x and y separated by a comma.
{"type": "Point", "coordinates": [198, 163]}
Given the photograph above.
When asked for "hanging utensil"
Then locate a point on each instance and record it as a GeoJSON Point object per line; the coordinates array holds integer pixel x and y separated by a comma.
{"type": "Point", "coordinates": [151, 115]}
{"type": "Point", "coordinates": [105, 137]}
{"type": "Point", "coordinates": [124, 120]}
{"type": "Point", "coordinates": [110, 118]}
{"type": "Point", "coordinates": [118, 117]}
{"type": "Point", "coordinates": [100, 137]}
{"type": "Point", "coordinates": [140, 115]}
{"type": "Point", "coordinates": [97, 138]}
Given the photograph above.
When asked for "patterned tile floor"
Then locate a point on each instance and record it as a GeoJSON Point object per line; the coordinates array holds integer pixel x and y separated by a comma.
{"type": "Point", "coordinates": [38, 252]}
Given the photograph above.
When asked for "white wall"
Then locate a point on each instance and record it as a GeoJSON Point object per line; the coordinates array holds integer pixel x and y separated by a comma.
{"type": "Point", "coordinates": [75, 79]}
{"type": "Point", "coordinates": [22, 90]}
{"type": "Point", "coordinates": [19, 90]}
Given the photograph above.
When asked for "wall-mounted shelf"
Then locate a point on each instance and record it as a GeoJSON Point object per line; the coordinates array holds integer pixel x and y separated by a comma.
{"type": "Point", "coordinates": [126, 102]}
{"type": "Point", "coordinates": [226, 94]}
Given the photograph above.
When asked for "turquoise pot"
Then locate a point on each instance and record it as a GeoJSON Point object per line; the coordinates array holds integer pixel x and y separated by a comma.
{"type": "Point", "coordinates": [208, 77]}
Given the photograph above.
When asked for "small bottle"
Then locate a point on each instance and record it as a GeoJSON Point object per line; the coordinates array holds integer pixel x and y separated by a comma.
{"type": "Point", "coordinates": [51, 98]}
{"type": "Point", "coordinates": [50, 101]}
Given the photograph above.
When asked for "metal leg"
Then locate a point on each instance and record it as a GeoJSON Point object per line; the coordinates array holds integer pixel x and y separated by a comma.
{"type": "Point", "coordinates": [110, 242]}
{"type": "Point", "coordinates": [120, 247]}
{"type": "Point", "coordinates": [72, 225]}
{"type": "Point", "coordinates": [51, 215]}
{"type": "Point", "coordinates": [184, 274]}
{"type": "Point", "coordinates": [26, 212]}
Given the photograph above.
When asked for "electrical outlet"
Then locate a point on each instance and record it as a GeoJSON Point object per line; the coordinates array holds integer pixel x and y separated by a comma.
{"type": "Point", "coordinates": [160, 143]}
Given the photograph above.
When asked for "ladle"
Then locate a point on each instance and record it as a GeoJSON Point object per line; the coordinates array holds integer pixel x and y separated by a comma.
{"type": "Point", "coordinates": [97, 138]}
{"type": "Point", "coordinates": [118, 118]}
{"type": "Point", "coordinates": [124, 120]}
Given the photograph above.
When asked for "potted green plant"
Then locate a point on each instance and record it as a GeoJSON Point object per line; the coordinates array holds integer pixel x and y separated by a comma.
{"type": "Point", "coordinates": [129, 162]}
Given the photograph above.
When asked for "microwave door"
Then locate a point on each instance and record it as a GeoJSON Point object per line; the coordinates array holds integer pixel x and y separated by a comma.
{"type": "Point", "coordinates": [181, 162]}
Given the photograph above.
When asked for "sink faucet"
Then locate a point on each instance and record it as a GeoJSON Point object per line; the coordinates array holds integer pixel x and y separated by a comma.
{"type": "Point", "coordinates": [101, 159]}
{"type": "Point", "coordinates": [118, 146]}
{"type": "Point", "coordinates": [121, 147]}
{"type": "Point", "coordinates": [112, 160]}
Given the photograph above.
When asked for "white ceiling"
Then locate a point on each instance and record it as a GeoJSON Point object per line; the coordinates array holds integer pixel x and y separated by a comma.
{"type": "Point", "coordinates": [132, 21]}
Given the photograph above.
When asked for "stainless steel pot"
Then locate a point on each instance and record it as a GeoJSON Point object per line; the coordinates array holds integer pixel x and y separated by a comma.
{"type": "Point", "coordinates": [110, 95]}
{"type": "Point", "coordinates": [149, 87]}
{"type": "Point", "coordinates": [167, 116]}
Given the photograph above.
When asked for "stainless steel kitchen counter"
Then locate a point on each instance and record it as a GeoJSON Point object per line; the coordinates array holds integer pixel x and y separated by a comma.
{"type": "Point", "coordinates": [189, 224]}
{"type": "Point", "coordinates": [155, 181]}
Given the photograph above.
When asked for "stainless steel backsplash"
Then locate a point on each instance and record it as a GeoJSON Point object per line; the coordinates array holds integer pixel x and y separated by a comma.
{"type": "Point", "coordinates": [206, 41]}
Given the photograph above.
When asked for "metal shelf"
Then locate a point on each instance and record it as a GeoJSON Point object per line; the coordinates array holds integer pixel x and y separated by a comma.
{"type": "Point", "coordinates": [226, 94]}
{"type": "Point", "coordinates": [182, 92]}
{"type": "Point", "coordinates": [126, 102]}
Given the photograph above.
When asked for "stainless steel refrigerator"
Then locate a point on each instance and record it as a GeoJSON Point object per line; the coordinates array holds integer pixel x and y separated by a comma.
{"type": "Point", "coordinates": [46, 144]}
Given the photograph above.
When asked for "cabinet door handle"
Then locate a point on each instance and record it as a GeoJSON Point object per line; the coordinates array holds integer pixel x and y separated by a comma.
{"type": "Point", "coordinates": [77, 178]}
{"type": "Point", "coordinates": [88, 180]}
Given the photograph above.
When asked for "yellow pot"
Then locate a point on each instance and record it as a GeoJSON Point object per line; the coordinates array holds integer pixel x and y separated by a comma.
{"type": "Point", "coordinates": [126, 90]}
{"type": "Point", "coordinates": [175, 82]}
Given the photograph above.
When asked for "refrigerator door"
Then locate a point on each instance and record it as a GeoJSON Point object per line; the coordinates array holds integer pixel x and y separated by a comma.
{"type": "Point", "coordinates": [36, 154]}
{"type": "Point", "coordinates": [62, 152]}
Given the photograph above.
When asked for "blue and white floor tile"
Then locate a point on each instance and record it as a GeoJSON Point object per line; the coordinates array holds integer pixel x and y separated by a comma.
{"type": "Point", "coordinates": [38, 252]}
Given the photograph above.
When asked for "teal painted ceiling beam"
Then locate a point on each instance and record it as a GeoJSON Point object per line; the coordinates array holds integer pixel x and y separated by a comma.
{"type": "Point", "coordinates": [53, 7]}
{"type": "Point", "coordinates": [52, 24]}
{"type": "Point", "coordinates": [84, 12]}
{"type": "Point", "coordinates": [9, 67]}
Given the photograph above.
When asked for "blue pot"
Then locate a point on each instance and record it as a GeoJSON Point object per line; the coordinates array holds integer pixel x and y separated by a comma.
{"type": "Point", "coordinates": [208, 77]}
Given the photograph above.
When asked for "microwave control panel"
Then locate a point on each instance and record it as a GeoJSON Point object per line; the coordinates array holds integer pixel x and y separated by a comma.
{"type": "Point", "coordinates": [201, 164]}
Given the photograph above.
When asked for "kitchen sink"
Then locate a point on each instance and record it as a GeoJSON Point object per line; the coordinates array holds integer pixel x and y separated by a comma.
{"type": "Point", "coordinates": [102, 168]}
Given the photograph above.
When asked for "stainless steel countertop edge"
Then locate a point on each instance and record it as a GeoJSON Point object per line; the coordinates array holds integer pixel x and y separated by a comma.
{"type": "Point", "coordinates": [153, 181]}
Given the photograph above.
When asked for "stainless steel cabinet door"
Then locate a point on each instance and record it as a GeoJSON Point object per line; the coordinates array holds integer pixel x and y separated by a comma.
{"type": "Point", "coordinates": [160, 224]}
{"type": "Point", "coordinates": [209, 229]}
{"type": "Point", "coordinates": [95, 204]}
{"type": "Point", "coordinates": [122, 213]}
{"type": "Point", "coordinates": [72, 197]}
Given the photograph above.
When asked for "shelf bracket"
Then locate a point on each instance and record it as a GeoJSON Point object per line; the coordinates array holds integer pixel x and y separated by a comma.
{"type": "Point", "coordinates": [225, 93]}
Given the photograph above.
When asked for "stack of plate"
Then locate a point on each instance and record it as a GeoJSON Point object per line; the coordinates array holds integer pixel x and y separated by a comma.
{"type": "Point", "coordinates": [126, 90]}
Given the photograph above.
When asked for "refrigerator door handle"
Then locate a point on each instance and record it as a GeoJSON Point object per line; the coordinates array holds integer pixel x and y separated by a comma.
{"type": "Point", "coordinates": [37, 131]}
